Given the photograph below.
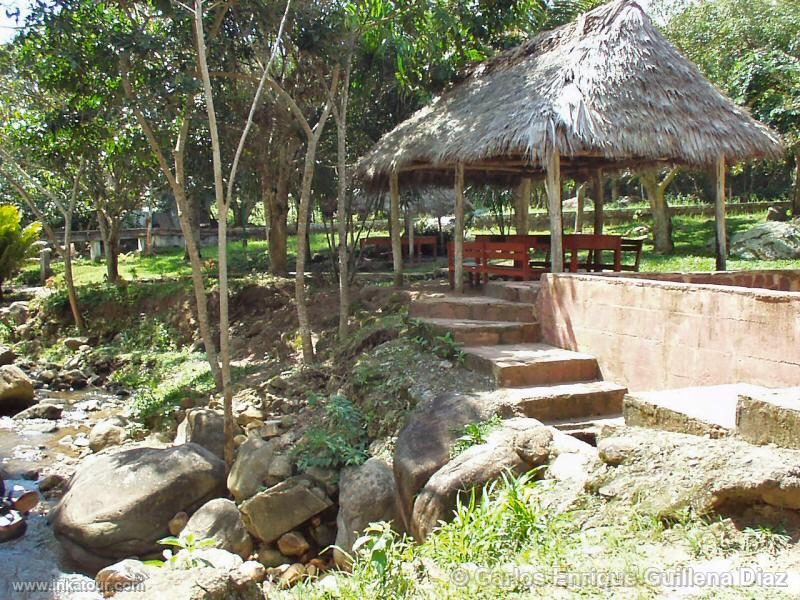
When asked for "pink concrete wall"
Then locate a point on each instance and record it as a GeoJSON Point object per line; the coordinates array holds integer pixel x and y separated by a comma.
{"type": "Point", "coordinates": [773, 279]}
{"type": "Point", "coordinates": [654, 335]}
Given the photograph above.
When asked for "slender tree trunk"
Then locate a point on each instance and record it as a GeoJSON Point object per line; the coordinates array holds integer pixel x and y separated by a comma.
{"type": "Point", "coordinates": [148, 243]}
{"type": "Point", "coordinates": [580, 197]}
{"type": "Point", "coordinates": [68, 276]}
{"type": "Point", "coordinates": [662, 219]}
{"type": "Point", "coordinates": [796, 198]}
{"type": "Point", "coordinates": [342, 209]}
{"type": "Point", "coordinates": [278, 215]}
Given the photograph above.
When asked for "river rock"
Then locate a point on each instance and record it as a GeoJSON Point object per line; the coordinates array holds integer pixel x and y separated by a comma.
{"type": "Point", "coordinates": [16, 390]}
{"type": "Point", "coordinates": [220, 520]}
{"type": "Point", "coordinates": [104, 434]}
{"type": "Point", "coordinates": [178, 523]}
{"type": "Point", "coordinates": [7, 355]}
{"type": "Point", "coordinates": [204, 427]}
{"type": "Point", "coordinates": [283, 507]}
{"type": "Point", "coordinates": [772, 240]}
{"type": "Point", "coordinates": [251, 467]}
{"type": "Point", "coordinates": [42, 410]}
{"type": "Point", "coordinates": [119, 504]}
{"type": "Point", "coordinates": [122, 575]}
{"type": "Point", "coordinates": [18, 311]}
{"type": "Point", "coordinates": [293, 543]}
{"type": "Point", "coordinates": [74, 343]}
{"type": "Point", "coordinates": [471, 470]}
{"type": "Point", "coordinates": [203, 583]}
{"type": "Point", "coordinates": [74, 378]}
{"type": "Point", "coordinates": [366, 495]}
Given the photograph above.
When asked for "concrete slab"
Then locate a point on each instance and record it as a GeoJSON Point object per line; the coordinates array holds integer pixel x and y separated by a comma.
{"type": "Point", "coordinates": [515, 291]}
{"type": "Point", "coordinates": [521, 365]}
{"type": "Point", "coordinates": [471, 332]}
{"type": "Point", "coordinates": [558, 403]}
{"type": "Point", "coordinates": [769, 416]}
{"type": "Point", "coordinates": [709, 410]}
{"type": "Point", "coordinates": [479, 308]}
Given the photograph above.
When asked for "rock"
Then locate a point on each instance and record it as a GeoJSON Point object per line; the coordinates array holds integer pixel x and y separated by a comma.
{"type": "Point", "coordinates": [471, 469]}
{"type": "Point", "coordinates": [614, 451]}
{"type": "Point", "coordinates": [250, 571]}
{"type": "Point", "coordinates": [366, 495]}
{"type": "Point", "coordinates": [119, 576]}
{"type": "Point", "coordinates": [283, 507]}
{"type": "Point", "coordinates": [293, 544]}
{"type": "Point", "coordinates": [291, 576]}
{"type": "Point", "coordinates": [772, 240]}
{"type": "Point", "coordinates": [74, 343]}
{"type": "Point", "coordinates": [16, 390]}
{"type": "Point", "coordinates": [220, 520]}
{"type": "Point", "coordinates": [7, 355]}
{"type": "Point", "coordinates": [251, 468]}
{"type": "Point", "coordinates": [775, 213]}
{"type": "Point", "coordinates": [47, 376]}
{"type": "Point", "coordinates": [18, 311]}
{"type": "Point", "coordinates": [178, 523]}
{"type": "Point", "coordinates": [51, 482]}
{"type": "Point", "coordinates": [668, 472]}
{"type": "Point", "coordinates": [271, 557]}
{"type": "Point", "coordinates": [74, 378]}
{"type": "Point", "coordinates": [202, 583]}
{"type": "Point", "coordinates": [280, 468]}
{"type": "Point", "coordinates": [104, 434]}
{"type": "Point", "coordinates": [42, 410]}
{"type": "Point", "coordinates": [120, 504]}
{"type": "Point", "coordinates": [270, 429]}
{"type": "Point", "coordinates": [205, 428]}
{"type": "Point", "coordinates": [533, 445]}
{"type": "Point", "coordinates": [250, 414]}
{"type": "Point", "coordinates": [216, 558]}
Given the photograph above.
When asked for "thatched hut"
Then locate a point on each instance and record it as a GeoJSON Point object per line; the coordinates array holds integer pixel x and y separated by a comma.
{"type": "Point", "coordinates": [603, 93]}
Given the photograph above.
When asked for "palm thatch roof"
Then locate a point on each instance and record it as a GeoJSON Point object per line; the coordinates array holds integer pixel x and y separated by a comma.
{"type": "Point", "coordinates": [605, 91]}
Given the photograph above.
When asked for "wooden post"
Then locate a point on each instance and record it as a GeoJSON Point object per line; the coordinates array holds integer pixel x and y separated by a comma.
{"type": "Point", "coordinates": [410, 225]}
{"type": "Point", "coordinates": [580, 196]}
{"type": "Point", "coordinates": [523, 204]}
{"type": "Point", "coordinates": [598, 202]}
{"type": "Point", "coordinates": [395, 229]}
{"type": "Point", "coordinates": [722, 234]}
{"type": "Point", "coordinates": [553, 183]}
{"type": "Point", "coordinates": [458, 234]}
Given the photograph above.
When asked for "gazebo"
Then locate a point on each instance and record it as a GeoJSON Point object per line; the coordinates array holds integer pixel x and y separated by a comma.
{"type": "Point", "coordinates": [604, 93]}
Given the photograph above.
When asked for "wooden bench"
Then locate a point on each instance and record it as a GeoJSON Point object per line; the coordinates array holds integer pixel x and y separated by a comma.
{"type": "Point", "coordinates": [594, 245]}
{"type": "Point", "coordinates": [628, 247]}
{"type": "Point", "coordinates": [483, 258]}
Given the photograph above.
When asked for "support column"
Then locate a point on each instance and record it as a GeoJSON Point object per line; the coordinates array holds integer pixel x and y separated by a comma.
{"type": "Point", "coordinates": [722, 233]}
{"type": "Point", "coordinates": [410, 234]}
{"type": "Point", "coordinates": [553, 183]}
{"type": "Point", "coordinates": [458, 234]}
{"type": "Point", "coordinates": [395, 229]}
{"type": "Point", "coordinates": [598, 201]}
{"type": "Point", "coordinates": [580, 197]}
{"type": "Point", "coordinates": [523, 206]}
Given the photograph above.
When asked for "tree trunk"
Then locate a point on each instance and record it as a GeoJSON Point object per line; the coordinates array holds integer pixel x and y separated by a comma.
{"type": "Point", "coordinates": [580, 196]}
{"type": "Point", "coordinates": [68, 278]}
{"type": "Point", "coordinates": [109, 230]}
{"type": "Point", "coordinates": [522, 208]}
{"type": "Point", "coordinates": [278, 215]}
{"type": "Point", "coordinates": [395, 229]}
{"type": "Point", "coordinates": [342, 210]}
{"type": "Point", "coordinates": [148, 244]}
{"type": "Point", "coordinates": [796, 198]}
{"type": "Point", "coordinates": [662, 219]}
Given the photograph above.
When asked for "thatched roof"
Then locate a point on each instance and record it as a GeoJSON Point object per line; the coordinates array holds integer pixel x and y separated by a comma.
{"type": "Point", "coordinates": [607, 90]}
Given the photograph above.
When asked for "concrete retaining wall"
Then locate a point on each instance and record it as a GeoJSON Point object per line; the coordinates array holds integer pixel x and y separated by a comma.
{"type": "Point", "coordinates": [652, 335]}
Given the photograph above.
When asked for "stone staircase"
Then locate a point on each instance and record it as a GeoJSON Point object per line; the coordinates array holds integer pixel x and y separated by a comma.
{"type": "Point", "coordinates": [501, 338]}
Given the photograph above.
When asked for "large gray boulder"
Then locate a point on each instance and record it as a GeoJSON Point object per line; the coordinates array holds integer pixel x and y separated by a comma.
{"type": "Point", "coordinates": [366, 495]}
{"type": "Point", "coordinates": [16, 389]}
{"type": "Point", "coordinates": [768, 241]}
{"type": "Point", "coordinates": [221, 521]}
{"type": "Point", "coordinates": [283, 507]}
{"type": "Point", "coordinates": [251, 468]}
{"type": "Point", "coordinates": [118, 505]}
{"type": "Point", "coordinates": [204, 427]}
{"type": "Point", "coordinates": [517, 446]}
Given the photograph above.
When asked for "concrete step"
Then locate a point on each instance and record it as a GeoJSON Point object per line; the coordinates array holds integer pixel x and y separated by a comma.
{"type": "Point", "coordinates": [565, 405]}
{"type": "Point", "coordinates": [513, 291]}
{"type": "Point", "coordinates": [474, 308]}
{"type": "Point", "coordinates": [531, 364]}
{"type": "Point", "coordinates": [770, 416]}
{"type": "Point", "coordinates": [708, 410]}
{"type": "Point", "coordinates": [470, 333]}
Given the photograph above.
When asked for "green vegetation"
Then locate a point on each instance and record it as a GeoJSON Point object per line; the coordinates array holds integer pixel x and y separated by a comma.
{"type": "Point", "coordinates": [16, 242]}
{"type": "Point", "coordinates": [475, 434]}
{"type": "Point", "coordinates": [337, 439]}
{"type": "Point", "coordinates": [186, 557]}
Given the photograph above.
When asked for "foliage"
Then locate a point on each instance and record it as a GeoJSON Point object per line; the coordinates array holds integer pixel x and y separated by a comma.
{"type": "Point", "coordinates": [337, 438]}
{"type": "Point", "coordinates": [187, 555]}
{"type": "Point", "coordinates": [475, 434]}
{"type": "Point", "coordinates": [16, 242]}
{"type": "Point", "coordinates": [443, 346]}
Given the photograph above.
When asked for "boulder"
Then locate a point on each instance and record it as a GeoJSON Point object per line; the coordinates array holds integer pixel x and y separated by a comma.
{"type": "Point", "coordinates": [283, 507]}
{"type": "Point", "coordinates": [74, 378]}
{"type": "Point", "coordinates": [366, 495]}
{"type": "Point", "coordinates": [104, 434]}
{"type": "Point", "coordinates": [668, 472]}
{"type": "Point", "coordinates": [16, 389]}
{"type": "Point", "coordinates": [251, 467]}
{"type": "Point", "coordinates": [205, 583]}
{"type": "Point", "coordinates": [205, 428]}
{"type": "Point", "coordinates": [120, 504]}
{"type": "Point", "coordinates": [772, 240]}
{"type": "Point", "coordinates": [42, 410]}
{"type": "Point", "coordinates": [7, 355]}
{"type": "Point", "coordinates": [220, 520]}
{"type": "Point", "coordinates": [472, 469]}
{"type": "Point", "coordinates": [178, 523]}
{"type": "Point", "coordinates": [74, 343]}
{"type": "Point", "coordinates": [18, 311]}
{"type": "Point", "coordinates": [293, 543]}
{"type": "Point", "coordinates": [122, 575]}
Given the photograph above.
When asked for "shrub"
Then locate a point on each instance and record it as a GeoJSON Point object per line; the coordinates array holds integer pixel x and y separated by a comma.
{"type": "Point", "coordinates": [337, 438]}
{"type": "Point", "coordinates": [16, 242]}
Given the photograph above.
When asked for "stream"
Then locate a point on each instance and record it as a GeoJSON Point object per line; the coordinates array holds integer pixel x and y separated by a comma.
{"type": "Point", "coordinates": [29, 448]}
